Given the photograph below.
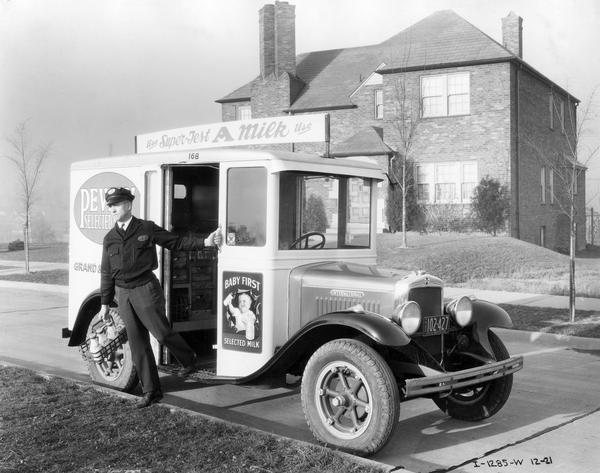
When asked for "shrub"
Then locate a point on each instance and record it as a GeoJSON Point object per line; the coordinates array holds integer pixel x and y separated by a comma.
{"type": "Point", "coordinates": [447, 218]}
{"type": "Point", "coordinates": [16, 245]}
{"type": "Point", "coordinates": [315, 217]}
{"type": "Point", "coordinates": [490, 205]}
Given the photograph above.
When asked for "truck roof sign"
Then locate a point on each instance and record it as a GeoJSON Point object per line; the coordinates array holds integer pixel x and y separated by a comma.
{"type": "Point", "coordinates": [271, 130]}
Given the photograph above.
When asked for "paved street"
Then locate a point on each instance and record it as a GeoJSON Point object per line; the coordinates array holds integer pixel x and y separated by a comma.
{"type": "Point", "coordinates": [552, 415]}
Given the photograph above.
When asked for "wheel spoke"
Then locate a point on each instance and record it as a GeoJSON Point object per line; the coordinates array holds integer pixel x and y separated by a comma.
{"type": "Point", "coordinates": [341, 411]}
{"type": "Point", "coordinates": [355, 419]}
{"type": "Point", "coordinates": [343, 380]}
{"type": "Point", "coordinates": [361, 403]}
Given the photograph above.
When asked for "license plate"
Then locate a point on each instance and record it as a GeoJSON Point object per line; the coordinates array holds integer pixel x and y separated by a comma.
{"type": "Point", "coordinates": [435, 324]}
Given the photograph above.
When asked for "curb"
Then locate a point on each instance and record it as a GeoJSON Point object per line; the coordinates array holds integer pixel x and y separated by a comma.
{"type": "Point", "coordinates": [385, 468]}
{"type": "Point", "coordinates": [33, 286]}
{"type": "Point", "coordinates": [550, 339]}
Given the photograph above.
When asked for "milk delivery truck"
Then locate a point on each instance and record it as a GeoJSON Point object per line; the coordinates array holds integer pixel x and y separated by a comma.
{"type": "Point", "coordinates": [299, 243]}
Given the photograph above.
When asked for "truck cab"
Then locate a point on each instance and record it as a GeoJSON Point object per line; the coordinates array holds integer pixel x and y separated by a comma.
{"type": "Point", "coordinates": [294, 289]}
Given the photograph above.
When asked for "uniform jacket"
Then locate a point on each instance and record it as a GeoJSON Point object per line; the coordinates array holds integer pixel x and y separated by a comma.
{"type": "Point", "coordinates": [128, 260]}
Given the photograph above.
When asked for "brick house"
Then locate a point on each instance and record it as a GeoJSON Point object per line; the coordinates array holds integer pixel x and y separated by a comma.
{"type": "Point", "coordinates": [476, 109]}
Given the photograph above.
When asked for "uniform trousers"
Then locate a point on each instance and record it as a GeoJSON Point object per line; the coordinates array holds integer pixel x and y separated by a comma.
{"type": "Point", "coordinates": [142, 310]}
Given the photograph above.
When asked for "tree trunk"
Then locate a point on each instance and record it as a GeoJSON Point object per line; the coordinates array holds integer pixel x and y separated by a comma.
{"type": "Point", "coordinates": [404, 193]}
{"type": "Point", "coordinates": [572, 242]}
{"type": "Point", "coordinates": [26, 245]}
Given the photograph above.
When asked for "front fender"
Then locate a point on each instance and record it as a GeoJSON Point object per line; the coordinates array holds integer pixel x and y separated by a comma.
{"type": "Point", "coordinates": [377, 327]}
{"type": "Point", "coordinates": [323, 329]}
{"type": "Point", "coordinates": [485, 316]}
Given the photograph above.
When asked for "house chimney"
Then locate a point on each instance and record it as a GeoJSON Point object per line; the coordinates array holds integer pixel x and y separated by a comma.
{"type": "Point", "coordinates": [277, 39]}
{"type": "Point", "coordinates": [285, 38]}
{"type": "Point", "coordinates": [266, 23]}
{"type": "Point", "coordinates": [512, 34]}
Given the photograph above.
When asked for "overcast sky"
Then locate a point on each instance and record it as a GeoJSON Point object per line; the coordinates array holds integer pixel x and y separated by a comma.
{"type": "Point", "coordinates": [91, 74]}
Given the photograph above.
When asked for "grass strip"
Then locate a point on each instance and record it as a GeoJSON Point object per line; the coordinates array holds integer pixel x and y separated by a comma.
{"type": "Point", "coordinates": [56, 425]}
{"type": "Point", "coordinates": [557, 321]}
{"type": "Point", "coordinates": [53, 276]}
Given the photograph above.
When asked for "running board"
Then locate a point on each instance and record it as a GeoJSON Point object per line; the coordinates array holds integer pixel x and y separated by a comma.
{"type": "Point", "coordinates": [202, 376]}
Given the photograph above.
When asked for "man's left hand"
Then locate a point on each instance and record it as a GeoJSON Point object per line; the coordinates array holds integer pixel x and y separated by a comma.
{"type": "Point", "coordinates": [215, 238]}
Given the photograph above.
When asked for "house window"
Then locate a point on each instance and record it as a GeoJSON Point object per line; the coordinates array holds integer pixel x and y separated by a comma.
{"type": "Point", "coordinates": [551, 185]}
{"type": "Point", "coordinates": [551, 106]}
{"type": "Point", "coordinates": [424, 179]}
{"type": "Point", "coordinates": [543, 236]}
{"type": "Point", "coordinates": [243, 112]}
{"type": "Point", "coordinates": [561, 116]}
{"type": "Point", "coordinates": [446, 183]}
{"type": "Point", "coordinates": [469, 181]}
{"type": "Point", "coordinates": [543, 184]}
{"type": "Point", "coordinates": [445, 95]}
{"type": "Point", "coordinates": [379, 104]}
{"type": "Point", "coordinates": [575, 186]}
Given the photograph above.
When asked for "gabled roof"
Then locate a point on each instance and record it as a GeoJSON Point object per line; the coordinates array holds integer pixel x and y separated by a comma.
{"type": "Point", "coordinates": [443, 39]}
{"type": "Point", "coordinates": [440, 39]}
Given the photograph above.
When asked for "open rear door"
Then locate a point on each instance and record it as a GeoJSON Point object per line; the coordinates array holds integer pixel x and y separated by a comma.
{"type": "Point", "coordinates": [190, 277]}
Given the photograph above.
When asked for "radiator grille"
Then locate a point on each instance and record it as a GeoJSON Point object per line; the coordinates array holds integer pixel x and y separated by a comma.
{"type": "Point", "coordinates": [326, 305]}
{"type": "Point", "coordinates": [428, 298]}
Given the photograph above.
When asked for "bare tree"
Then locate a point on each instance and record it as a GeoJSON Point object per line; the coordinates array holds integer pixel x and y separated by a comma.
{"type": "Point", "coordinates": [567, 166]}
{"type": "Point", "coordinates": [28, 161]}
{"type": "Point", "coordinates": [405, 117]}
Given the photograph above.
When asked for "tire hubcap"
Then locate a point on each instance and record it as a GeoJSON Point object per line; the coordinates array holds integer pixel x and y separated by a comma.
{"type": "Point", "coordinates": [344, 400]}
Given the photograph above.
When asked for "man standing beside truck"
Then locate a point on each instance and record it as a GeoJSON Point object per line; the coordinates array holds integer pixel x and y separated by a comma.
{"type": "Point", "coordinates": [128, 261]}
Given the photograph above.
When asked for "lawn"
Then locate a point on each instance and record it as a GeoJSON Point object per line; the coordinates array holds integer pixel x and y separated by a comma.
{"type": "Point", "coordinates": [50, 253]}
{"type": "Point", "coordinates": [485, 262]}
{"type": "Point", "coordinates": [56, 426]}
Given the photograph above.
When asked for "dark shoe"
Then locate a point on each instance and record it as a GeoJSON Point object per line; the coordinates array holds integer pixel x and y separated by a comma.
{"type": "Point", "coordinates": [185, 371]}
{"type": "Point", "coordinates": [149, 399]}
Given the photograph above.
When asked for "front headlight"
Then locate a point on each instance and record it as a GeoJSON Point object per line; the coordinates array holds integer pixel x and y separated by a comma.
{"type": "Point", "coordinates": [408, 316]}
{"type": "Point", "coordinates": [461, 310]}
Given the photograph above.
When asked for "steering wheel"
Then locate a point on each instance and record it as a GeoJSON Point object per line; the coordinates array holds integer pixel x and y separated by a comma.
{"type": "Point", "coordinates": [296, 244]}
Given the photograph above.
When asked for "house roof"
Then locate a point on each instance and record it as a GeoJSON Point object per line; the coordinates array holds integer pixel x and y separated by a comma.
{"type": "Point", "coordinates": [365, 142]}
{"type": "Point", "coordinates": [442, 39]}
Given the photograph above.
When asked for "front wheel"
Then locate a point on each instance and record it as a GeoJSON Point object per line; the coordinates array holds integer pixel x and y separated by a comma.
{"type": "Point", "coordinates": [479, 402]}
{"type": "Point", "coordinates": [107, 354]}
{"type": "Point", "coordinates": [350, 397]}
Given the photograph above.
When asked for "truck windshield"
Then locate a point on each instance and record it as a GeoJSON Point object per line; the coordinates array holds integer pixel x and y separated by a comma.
{"type": "Point", "coordinates": [323, 211]}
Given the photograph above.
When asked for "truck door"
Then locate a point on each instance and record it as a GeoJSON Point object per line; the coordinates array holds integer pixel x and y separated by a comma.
{"type": "Point", "coordinates": [190, 277]}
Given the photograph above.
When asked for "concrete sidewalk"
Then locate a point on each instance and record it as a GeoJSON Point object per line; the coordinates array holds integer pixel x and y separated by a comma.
{"type": "Point", "coordinates": [524, 298]}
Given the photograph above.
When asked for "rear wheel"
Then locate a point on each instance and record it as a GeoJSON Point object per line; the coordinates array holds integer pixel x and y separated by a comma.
{"type": "Point", "coordinates": [109, 359]}
{"type": "Point", "coordinates": [350, 397]}
{"type": "Point", "coordinates": [479, 402]}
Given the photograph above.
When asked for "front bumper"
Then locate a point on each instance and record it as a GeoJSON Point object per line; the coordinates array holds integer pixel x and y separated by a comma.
{"type": "Point", "coordinates": [447, 382]}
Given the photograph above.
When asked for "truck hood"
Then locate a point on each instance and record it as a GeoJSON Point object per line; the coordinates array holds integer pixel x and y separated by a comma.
{"type": "Point", "coordinates": [321, 288]}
